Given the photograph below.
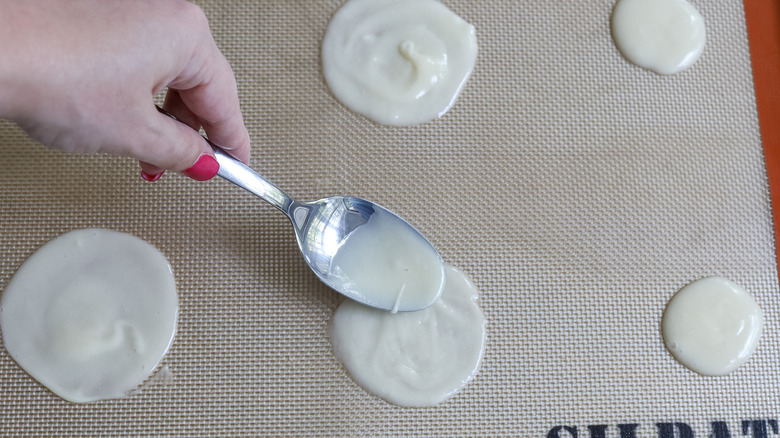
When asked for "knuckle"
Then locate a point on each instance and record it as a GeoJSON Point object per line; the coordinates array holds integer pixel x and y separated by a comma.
{"type": "Point", "coordinates": [194, 14]}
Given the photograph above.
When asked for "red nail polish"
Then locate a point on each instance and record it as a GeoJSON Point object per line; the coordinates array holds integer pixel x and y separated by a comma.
{"type": "Point", "coordinates": [204, 169]}
{"type": "Point", "coordinates": [151, 177]}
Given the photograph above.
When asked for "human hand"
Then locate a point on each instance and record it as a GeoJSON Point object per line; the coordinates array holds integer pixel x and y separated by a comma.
{"type": "Point", "coordinates": [80, 76]}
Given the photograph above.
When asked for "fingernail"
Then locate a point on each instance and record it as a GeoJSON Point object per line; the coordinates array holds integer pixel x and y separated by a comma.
{"type": "Point", "coordinates": [204, 169]}
{"type": "Point", "coordinates": [151, 177]}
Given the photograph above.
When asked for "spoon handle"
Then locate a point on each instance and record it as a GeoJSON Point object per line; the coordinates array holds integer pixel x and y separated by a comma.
{"type": "Point", "coordinates": [243, 176]}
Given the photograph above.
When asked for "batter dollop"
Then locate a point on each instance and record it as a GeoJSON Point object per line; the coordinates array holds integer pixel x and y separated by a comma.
{"type": "Point", "coordinates": [90, 314]}
{"type": "Point", "coordinates": [398, 62]}
{"type": "Point", "coordinates": [712, 326]}
{"type": "Point", "coordinates": [665, 36]}
{"type": "Point", "coordinates": [413, 359]}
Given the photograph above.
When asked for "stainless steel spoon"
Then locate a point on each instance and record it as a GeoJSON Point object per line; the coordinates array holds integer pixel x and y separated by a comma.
{"type": "Point", "coordinates": [320, 226]}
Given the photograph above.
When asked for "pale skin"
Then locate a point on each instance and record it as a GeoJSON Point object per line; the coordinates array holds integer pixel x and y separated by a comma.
{"type": "Point", "coordinates": [80, 76]}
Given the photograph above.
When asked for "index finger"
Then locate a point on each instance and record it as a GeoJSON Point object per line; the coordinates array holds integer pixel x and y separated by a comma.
{"type": "Point", "coordinates": [207, 88]}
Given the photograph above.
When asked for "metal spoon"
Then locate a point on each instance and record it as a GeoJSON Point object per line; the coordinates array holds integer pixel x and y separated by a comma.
{"type": "Point", "coordinates": [320, 226]}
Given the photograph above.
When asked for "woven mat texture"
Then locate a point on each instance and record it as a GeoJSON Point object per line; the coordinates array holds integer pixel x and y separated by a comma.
{"type": "Point", "coordinates": [579, 192]}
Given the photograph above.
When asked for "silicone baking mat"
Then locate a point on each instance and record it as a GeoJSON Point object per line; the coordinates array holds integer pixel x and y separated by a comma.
{"type": "Point", "coordinates": [578, 191]}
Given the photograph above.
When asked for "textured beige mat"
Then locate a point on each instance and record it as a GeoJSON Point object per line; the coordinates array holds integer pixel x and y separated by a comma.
{"type": "Point", "coordinates": [578, 191]}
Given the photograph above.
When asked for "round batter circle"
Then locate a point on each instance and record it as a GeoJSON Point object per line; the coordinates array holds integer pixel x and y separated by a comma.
{"type": "Point", "coordinates": [90, 314]}
{"type": "Point", "coordinates": [665, 36]}
{"type": "Point", "coordinates": [712, 326]}
{"type": "Point", "coordinates": [413, 359]}
{"type": "Point", "coordinates": [397, 62]}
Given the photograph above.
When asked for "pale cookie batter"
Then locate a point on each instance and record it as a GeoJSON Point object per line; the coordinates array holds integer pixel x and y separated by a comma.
{"type": "Point", "coordinates": [398, 62]}
{"type": "Point", "coordinates": [388, 267]}
{"type": "Point", "coordinates": [413, 359]}
{"type": "Point", "coordinates": [712, 326]}
{"type": "Point", "coordinates": [90, 314]}
{"type": "Point", "coordinates": [665, 36]}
